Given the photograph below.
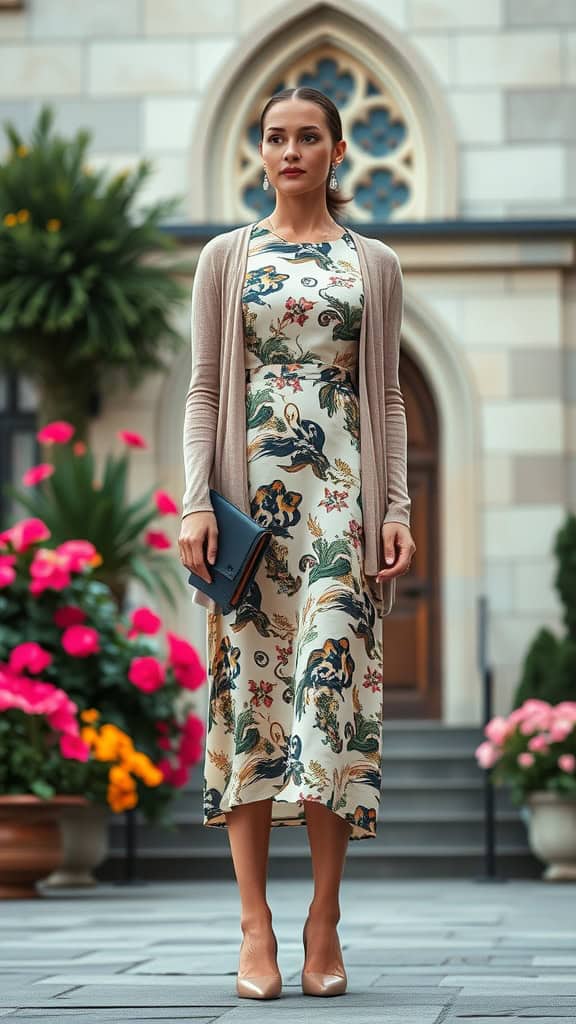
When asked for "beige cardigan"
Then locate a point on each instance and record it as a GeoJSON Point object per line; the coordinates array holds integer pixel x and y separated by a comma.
{"type": "Point", "coordinates": [215, 415]}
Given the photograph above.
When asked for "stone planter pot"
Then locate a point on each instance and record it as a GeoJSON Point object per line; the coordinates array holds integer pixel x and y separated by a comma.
{"type": "Point", "coordinates": [84, 832]}
{"type": "Point", "coordinates": [552, 834]}
{"type": "Point", "coordinates": [30, 841]}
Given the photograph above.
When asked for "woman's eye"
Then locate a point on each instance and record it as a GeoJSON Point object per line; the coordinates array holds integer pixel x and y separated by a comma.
{"type": "Point", "coordinates": [272, 138]}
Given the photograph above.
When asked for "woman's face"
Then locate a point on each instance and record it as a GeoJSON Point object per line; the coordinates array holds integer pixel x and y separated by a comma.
{"type": "Point", "coordinates": [296, 135]}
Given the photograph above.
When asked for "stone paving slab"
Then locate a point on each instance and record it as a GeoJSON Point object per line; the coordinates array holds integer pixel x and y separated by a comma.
{"type": "Point", "coordinates": [416, 952]}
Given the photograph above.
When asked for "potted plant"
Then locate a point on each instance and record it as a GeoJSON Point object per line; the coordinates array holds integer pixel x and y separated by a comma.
{"type": "Point", "coordinates": [59, 621]}
{"type": "Point", "coordinates": [68, 495]}
{"type": "Point", "coordinates": [533, 751]}
{"type": "Point", "coordinates": [82, 287]}
{"type": "Point", "coordinates": [39, 736]}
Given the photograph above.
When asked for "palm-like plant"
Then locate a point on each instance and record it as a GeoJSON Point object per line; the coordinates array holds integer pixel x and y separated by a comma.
{"type": "Point", "coordinates": [81, 285]}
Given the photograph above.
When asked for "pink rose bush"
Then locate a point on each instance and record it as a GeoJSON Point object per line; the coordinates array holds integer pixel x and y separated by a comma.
{"type": "Point", "coordinates": [61, 623]}
{"type": "Point", "coordinates": [533, 748]}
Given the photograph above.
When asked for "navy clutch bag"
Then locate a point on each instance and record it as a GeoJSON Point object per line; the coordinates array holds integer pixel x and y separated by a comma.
{"type": "Point", "coordinates": [241, 546]}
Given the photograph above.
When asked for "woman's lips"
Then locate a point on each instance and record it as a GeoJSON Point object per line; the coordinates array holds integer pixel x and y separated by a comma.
{"type": "Point", "coordinates": [292, 174]}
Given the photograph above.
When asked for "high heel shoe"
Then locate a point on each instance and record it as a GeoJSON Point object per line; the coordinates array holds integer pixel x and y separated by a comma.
{"type": "Point", "coordinates": [260, 986]}
{"type": "Point", "coordinates": [314, 983]}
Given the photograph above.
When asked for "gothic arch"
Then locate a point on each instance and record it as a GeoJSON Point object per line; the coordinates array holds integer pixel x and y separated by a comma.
{"type": "Point", "coordinates": [288, 36]}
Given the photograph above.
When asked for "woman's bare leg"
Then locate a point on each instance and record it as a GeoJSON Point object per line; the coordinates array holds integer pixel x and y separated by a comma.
{"type": "Point", "coordinates": [328, 834]}
{"type": "Point", "coordinates": [249, 837]}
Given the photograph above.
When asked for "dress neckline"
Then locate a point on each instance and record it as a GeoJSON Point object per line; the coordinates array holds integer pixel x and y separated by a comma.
{"type": "Point", "coordinates": [292, 241]}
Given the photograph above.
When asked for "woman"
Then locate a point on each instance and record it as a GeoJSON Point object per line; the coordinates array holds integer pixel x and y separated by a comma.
{"type": "Point", "coordinates": [294, 412]}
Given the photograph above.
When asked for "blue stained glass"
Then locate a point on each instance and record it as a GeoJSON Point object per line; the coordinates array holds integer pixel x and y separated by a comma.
{"type": "Point", "coordinates": [378, 135]}
{"type": "Point", "coordinates": [382, 195]}
{"type": "Point", "coordinates": [338, 85]}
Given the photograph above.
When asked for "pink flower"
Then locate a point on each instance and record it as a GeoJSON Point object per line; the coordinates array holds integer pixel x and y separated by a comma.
{"type": "Point", "coordinates": [560, 729]}
{"type": "Point", "coordinates": [157, 539]}
{"type": "Point", "coordinates": [78, 552]}
{"type": "Point", "coordinates": [57, 432]}
{"type": "Point", "coordinates": [497, 730]}
{"type": "Point", "coordinates": [525, 760]}
{"type": "Point", "coordinates": [74, 748]}
{"type": "Point", "coordinates": [539, 744]}
{"type": "Point", "coordinates": [25, 533]}
{"type": "Point", "coordinates": [147, 673]}
{"type": "Point", "coordinates": [191, 742]}
{"type": "Point", "coordinates": [37, 698]}
{"type": "Point", "coordinates": [48, 570]}
{"type": "Point", "coordinates": [165, 504]}
{"type": "Point", "coordinates": [487, 754]}
{"type": "Point", "coordinates": [29, 657]}
{"type": "Point", "coordinates": [69, 615]}
{"type": "Point", "coordinates": [7, 559]}
{"type": "Point", "coordinates": [7, 575]}
{"type": "Point", "coordinates": [185, 662]}
{"type": "Point", "coordinates": [174, 776]}
{"type": "Point", "coordinates": [80, 641]}
{"type": "Point", "coordinates": [567, 762]}
{"type": "Point", "coordinates": [131, 439]}
{"type": "Point", "coordinates": [144, 620]}
{"type": "Point", "coordinates": [35, 474]}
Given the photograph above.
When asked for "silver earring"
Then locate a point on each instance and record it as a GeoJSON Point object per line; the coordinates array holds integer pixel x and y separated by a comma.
{"type": "Point", "coordinates": [265, 183]}
{"type": "Point", "coordinates": [333, 183]}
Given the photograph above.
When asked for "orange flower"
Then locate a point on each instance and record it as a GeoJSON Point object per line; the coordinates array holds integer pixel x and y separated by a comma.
{"type": "Point", "coordinates": [10, 220]}
{"type": "Point", "coordinates": [53, 224]}
{"type": "Point", "coordinates": [23, 216]}
{"type": "Point", "coordinates": [90, 715]}
{"type": "Point", "coordinates": [22, 150]}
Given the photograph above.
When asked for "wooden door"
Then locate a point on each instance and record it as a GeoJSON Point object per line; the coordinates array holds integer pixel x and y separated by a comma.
{"type": "Point", "coordinates": [411, 633]}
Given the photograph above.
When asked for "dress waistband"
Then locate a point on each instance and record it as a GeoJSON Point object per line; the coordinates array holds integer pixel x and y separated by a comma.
{"type": "Point", "coordinates": [287, 372]}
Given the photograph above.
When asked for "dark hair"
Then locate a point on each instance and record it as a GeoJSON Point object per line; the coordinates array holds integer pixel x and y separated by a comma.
{"type": "Point", "coordinates": [334, 199]}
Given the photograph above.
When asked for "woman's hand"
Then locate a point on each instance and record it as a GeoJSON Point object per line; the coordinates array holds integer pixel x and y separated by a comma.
{"type": "Point", "coordinates": [198, 529]}
{"type": "Point", "coordinates": [396, 536]}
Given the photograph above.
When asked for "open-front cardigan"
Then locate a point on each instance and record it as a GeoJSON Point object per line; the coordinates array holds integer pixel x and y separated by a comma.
{"type": "Point", "coordinates": [214, 439]}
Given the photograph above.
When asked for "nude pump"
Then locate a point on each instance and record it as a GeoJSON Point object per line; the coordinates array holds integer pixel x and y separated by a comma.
{"type": "Point", "coordinates": [314, 983]}
{"type": "Point", "coordinates": [260, 986]}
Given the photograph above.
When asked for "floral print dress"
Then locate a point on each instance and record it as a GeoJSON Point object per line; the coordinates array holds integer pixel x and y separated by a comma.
{"type": "Point", "coordinates": [295, 671]}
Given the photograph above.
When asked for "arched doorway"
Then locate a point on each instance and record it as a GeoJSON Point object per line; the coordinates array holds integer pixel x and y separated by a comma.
{"type": "Point", "coordinates": [411, 633]}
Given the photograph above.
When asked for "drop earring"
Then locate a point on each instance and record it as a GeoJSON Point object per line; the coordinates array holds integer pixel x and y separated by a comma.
{"type": "Point", "coordinates": [265, 183]}
{"type": "Point", "coordinates": [333, 183]}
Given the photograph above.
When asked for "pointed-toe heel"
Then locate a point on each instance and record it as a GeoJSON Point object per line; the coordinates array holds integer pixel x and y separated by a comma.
{"type": "Point", "coordinates": [314, 983]}
{"type": "Point", "coordinates": [266, 986]}
{"type": "Point", "coordinates": [260, 986]}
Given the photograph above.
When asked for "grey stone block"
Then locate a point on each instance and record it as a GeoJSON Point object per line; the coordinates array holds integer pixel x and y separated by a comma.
{"type": "Point", "coordinates": [540, 115]}
{"type": "Point", "coordinates": [518, 13]}
{"type": "Point", "coordinates": [114, 124]}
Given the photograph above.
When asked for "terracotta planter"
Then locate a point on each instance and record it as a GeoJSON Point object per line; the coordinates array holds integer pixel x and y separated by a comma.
{"type": "Point", "coordinates": [552, 834]}
{"type": "Point", "coordinates": [30, 841]}
{"type": "Point", "coordinates": [85, 845]}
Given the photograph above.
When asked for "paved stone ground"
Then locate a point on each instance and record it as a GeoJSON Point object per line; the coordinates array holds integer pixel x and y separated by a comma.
{"type": "Point", "coordinates": [422, 952]}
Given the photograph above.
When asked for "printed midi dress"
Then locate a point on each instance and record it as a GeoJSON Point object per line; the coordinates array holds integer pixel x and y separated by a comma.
{"type": "Point", "coordinates": [295, 671]}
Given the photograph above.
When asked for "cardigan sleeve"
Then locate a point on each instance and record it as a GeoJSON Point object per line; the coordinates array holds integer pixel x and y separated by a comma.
{"type": "Point", "coordinates": [202, 399]}
{"type": "Point", "coordinates": [399, 502]}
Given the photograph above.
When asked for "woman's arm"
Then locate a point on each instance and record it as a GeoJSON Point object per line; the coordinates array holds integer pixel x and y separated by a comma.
{"type": "Point", "coordinates": [398, 510]}
{"type": "Point", "coordinates": [202, 399]}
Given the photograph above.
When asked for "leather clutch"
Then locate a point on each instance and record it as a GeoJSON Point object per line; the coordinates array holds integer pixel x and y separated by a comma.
{"type": "Point", "coordinates": [241, 546]}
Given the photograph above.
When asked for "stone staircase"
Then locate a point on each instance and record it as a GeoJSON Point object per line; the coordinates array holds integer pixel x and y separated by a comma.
{"type": "Point", "coordinates": [430, 822]}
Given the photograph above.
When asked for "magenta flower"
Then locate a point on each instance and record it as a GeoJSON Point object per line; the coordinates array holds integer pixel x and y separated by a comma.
{"type": "Point", "coordinates": [165, 504]}
{"type": "Point", "coordinates": [36, 474]}
{"type": "Point", "coordinates": [80, 641]}
{"type": "Point", "coordinates": [7, 575]}
{"type": "Point", "coordinates": [144, 620]}
{"type": "Point", "coordinates": [25, 533]}
{"type": "Point", "coordinates": [185, 662]}
{"type": "Point", "coordinates": [34, 697]}
{"type": "Point", "coordinates": [69, 615]}
{"type": "Point", "coordinates": [74, 748]}
{"type": "Point", "coordinates": [147, 673]}
{"type": "Point", "coordinates": [49, 571]}
{"type": "Point", "coordinates": [191, 742]}
{"type": "Point", "coordinates": [57, 432]}
{"type": "Point", "coordinates": [157, 539]}
{"type": "Point", "coordinates": [131, 439]}
{"type": "Point", "coordinates": [29, 657]}
{"type": "Point", "coordinates": [78, 552]}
